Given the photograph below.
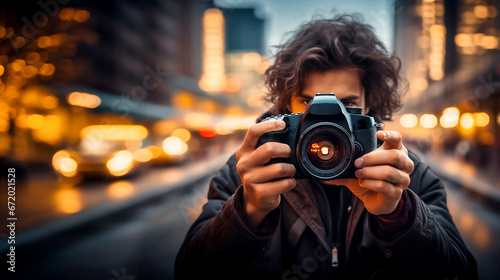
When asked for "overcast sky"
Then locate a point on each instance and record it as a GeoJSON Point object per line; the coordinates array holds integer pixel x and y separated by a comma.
{"type": "Point", "coordinates": [283, 16]}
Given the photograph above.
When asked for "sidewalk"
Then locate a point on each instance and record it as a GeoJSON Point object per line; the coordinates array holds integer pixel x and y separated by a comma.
{"type": "Point", "coordinates": [465, 175]}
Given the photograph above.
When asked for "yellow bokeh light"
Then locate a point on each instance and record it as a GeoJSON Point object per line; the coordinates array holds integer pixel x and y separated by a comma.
{"type": "Point", "coordinates": [120, 189]}
{"type": "Point", "coordinates": [81, 16]}
{"type": "Point", "coordinates": [114, 132]}
{"type": "Point", "coordinates": [481, 119]}
{"type": "Point", "coordinates": [197, 120]}
{"type": "Point", "coordinates": [467, 121]}
{"type": "Point", "coordinates": [120, 164]}
{"type": "Point", "coordinates": [183, 99]}
{"type": "Point", "coordinates": [2, 70]}
{"type": "Point", "coordinates": [47, 69]}
{"type": "Point", "coordinates": [33, 57]}
{"type": "Point", "coordinates": [35, 121]}
{"type": "Point", "coordinates": [408, 120]}
{"type": "Point", "coordinates": [62, 162]}
{"type": "Point", "coordinates": [481, 11]}
{"type": "Point", "coordinates": [44, 42]}
{"type": "Point", "coordinates": [489, 42]}
{"type": "Point", "coordinates": [68, 167]}
{"type": "Point", "coordinates": [463, 40]}
{"type": "Point", "coordinates": [428, 120]}
{"type": "Point", "coordinates": [155, 151]}
{"type": "Point", "coordinates": [143, 155]}
{"type": "Point", "coordinates": [182, 134]}
{"type": "Point", "coordinates": [450, 117]}
{"type": "Point", "coordinates": [251, 59]}
{"type": "Point", "coordinates": [29, 71]}
{"type": "Point", "coordinates": [18, 65]}
{"type": "Point", "coordinates": [84, 99]}
{"type": "Point", "coordinates": [50, 102]}
{"type": "Point", "coordinates": [213, 78]}
{"type": "Point", "coordinates": [419, 84]}
{"type": "Point", "coordinates": [233, 84]}
{"type": "Point", "coordinates": [66, 13]}
{"type": "Point", "coordinates": [437, 30]}
{"type": "Point", "coordinates": [174, 146]}
{"type": "Point", "coordinates": [68, 200]}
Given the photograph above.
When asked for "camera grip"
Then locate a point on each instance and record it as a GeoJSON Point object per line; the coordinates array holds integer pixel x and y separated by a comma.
{"type": "Point", "coordinates": [274, 136]}
{"type": "Point", "coordinates": [368, 140]}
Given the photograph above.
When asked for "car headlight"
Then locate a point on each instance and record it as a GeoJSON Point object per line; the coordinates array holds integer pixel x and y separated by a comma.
{"type": "Point", "coordinates": [64, 164]}
{"type": "Point", "coordinates": [120, 164]}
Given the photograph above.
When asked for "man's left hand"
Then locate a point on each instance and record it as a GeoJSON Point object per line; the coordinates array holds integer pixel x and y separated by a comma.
{"type": "Point", "coordinates": [382, 174]}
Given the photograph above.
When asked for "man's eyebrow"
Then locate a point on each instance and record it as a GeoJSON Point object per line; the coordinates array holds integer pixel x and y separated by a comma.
{"type": "Point", "coordinates": [347, 98]}
{"type": "Point", "coordinates": [350, 98]}
{"type": "Point", "coordinates": [302, 95]}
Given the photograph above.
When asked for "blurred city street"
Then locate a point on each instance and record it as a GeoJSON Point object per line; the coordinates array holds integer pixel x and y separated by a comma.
{"type": "Point", "coordinates": [115, 115]}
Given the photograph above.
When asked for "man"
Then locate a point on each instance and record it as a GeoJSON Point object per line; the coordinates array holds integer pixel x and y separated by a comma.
{"type": "Point", "coordinates": [390, 222]}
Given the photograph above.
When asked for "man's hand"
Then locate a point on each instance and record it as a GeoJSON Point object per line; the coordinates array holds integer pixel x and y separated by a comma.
{"type": "Point", "coordinates": [383, 174]}
{"type": "Point", "coordinates": [261, 190]}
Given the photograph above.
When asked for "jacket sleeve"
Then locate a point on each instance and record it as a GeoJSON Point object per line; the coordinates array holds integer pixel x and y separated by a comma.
{"type": "Point", "coordinates": [219, 243]}
{"type": "Point", "coordinates": [432, 245]}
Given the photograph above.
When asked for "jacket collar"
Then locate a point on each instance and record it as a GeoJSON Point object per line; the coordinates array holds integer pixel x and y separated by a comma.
{"type": "Point", "coordinates": [303, 201]}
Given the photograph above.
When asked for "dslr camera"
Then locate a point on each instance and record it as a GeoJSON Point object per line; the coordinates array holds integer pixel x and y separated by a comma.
{"type": "Point", "coordinates": [325, 139]}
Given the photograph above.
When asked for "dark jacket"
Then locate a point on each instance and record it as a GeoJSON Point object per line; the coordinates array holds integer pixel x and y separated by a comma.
{"type": "Point", "coordinates": [293, 242]}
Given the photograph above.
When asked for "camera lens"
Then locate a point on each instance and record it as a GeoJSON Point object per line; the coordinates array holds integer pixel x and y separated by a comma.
{"type": "Point", "coordinates": [325, 150]}
{"type": "Point", "coordinates": [324, 153]}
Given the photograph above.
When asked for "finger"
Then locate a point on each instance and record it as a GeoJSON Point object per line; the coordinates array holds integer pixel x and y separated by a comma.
{"type": "Point", "coordinates": [397, 158]}
{"type": "Point", "coordinates": [392, 139]}
{"type": "Point", "coordinates": [274, 188]}
{"type": "Point", "coordinates": [386, 173]}
{"type": "Point", "coordinates": [262, 155]}
{"type": "Point", "coordinates": [270, 190]}
{"type": "Point", "coordinates": [270, 150]}
{"type": "Point", "coordinates": [268, 173]}
{"type": "Point", "coordinates": [382, 187]}
{"type": "Point", "coordinates": [256, 131]}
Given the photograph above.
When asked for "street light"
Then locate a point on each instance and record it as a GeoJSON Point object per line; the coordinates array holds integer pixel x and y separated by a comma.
{"type": "Point", "coordinates": [428, 120]}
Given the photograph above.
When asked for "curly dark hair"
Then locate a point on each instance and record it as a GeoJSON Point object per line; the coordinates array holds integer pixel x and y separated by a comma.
{"type": "Point", "coordinates": [341, 43]}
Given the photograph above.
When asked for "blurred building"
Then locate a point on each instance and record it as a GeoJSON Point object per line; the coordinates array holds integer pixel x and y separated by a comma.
{"type": "Point", "coordinates": [82, 77]}
{"type": "Point", "coordinates": [244, 57]}
{"type": "Point", "coordinates": [450, 55]}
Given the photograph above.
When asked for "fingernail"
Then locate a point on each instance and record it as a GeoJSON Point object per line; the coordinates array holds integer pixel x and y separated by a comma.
{"type": "Point", "coordinates": [281, 124]}
{"type": "Point", "coordinates": [359, 162]}
{"type": "Point", "coordinates": [385, 134]}
{"type": "Point", "coordinates": [357, 172]}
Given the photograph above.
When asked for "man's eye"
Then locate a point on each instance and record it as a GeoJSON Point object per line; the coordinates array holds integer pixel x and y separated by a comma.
{"type": "Point", "coordinates": [305, 102]}
{"type": "Point", "coordinates": [349, 103]}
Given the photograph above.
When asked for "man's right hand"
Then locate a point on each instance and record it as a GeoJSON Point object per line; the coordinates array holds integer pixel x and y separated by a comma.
{"type": "Point", "coordinates": [261, 191]}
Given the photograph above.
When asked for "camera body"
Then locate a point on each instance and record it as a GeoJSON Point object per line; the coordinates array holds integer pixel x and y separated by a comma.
{"type": "Point", "coordinates": [325, 139]}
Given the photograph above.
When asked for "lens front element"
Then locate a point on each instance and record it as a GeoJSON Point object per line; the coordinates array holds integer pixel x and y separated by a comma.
{"type": "Point", "coordinates": [324, 153]}
{"type": "Point", "coordinates": [325, 150]}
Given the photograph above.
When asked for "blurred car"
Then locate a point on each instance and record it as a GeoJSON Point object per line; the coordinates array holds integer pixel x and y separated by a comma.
{"type": "Point", "coordinates": [104, 151]}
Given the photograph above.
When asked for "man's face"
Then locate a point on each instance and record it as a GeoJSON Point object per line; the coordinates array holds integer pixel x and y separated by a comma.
{"type": "Point", "coordinates": [344, 83]}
